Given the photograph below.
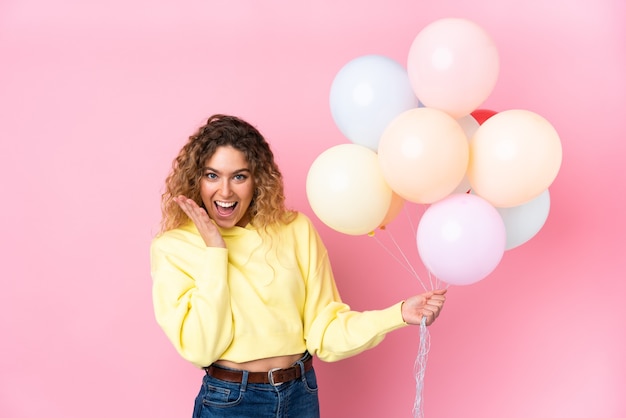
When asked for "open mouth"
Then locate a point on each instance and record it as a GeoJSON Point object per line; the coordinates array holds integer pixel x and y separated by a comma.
{"type": "Point", "coordinates": [225, 208]}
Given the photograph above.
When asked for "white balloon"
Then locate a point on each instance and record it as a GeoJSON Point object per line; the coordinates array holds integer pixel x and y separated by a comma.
{"type": "Point", "coordinates": [524, 221]}
{"type": "Point", "coordinates": [366, 94]}
{"type": "Point", "coordinates": [470, 125]}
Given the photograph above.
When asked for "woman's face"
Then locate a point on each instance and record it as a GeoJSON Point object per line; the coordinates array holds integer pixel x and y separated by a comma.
{"type": "Point", "coordinates": [227, 187]}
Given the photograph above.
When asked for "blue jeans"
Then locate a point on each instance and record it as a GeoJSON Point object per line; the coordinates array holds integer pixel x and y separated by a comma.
{"type": "Point", "coordinates": [294, 399]}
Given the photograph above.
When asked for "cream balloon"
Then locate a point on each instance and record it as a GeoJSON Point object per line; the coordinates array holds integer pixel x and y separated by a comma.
{"type": "Point", "coordinates": [423, 154]}
{"type": "Point", "coordinates": [346, 189]}
{"type": "Point", "coordinates": [514, 156]}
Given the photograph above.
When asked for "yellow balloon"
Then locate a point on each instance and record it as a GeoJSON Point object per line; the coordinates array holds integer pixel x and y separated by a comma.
{"type": "Point", "coordinates": [514, 156]}
{"type": "Point", "coordinates": [423, 154]}
{"type": "Point", "coordinates": [346, 189]}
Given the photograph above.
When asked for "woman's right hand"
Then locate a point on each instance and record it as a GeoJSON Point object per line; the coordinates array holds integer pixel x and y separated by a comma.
{"type": "Point", "coordinates": [206, 227]}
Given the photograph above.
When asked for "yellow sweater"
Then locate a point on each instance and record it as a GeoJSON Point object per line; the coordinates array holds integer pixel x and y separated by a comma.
{"type": "Point", "coordinates": [258, 297]}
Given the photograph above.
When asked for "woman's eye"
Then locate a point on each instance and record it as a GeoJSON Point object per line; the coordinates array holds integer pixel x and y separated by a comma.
{"type": "Point", "coordinates": [210, 175]}
{"type": "Point", "coordinates": [240, 177]}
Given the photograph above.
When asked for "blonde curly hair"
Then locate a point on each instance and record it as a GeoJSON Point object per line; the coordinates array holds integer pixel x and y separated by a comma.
{"type": "Point", "coordinates": [268, 204]}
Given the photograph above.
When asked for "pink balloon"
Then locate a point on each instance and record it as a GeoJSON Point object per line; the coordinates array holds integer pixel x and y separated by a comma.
{"type": "Point", "coordinates": [461, 239]}
{"type": "Point", "coordinates": [453, 66]}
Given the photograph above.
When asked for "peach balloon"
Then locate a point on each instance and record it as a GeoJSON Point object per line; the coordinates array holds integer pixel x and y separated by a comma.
{"type": "Point", "coordinates": [423, 154]}
{"type": "Point", "coordinates": [514, 156]}
{"type": "Point", "coordinates": [346, 189]}
{"type": "Point", "coordinates": [395, 207]}
{"type": "Point", "coordinates": [453, 66]}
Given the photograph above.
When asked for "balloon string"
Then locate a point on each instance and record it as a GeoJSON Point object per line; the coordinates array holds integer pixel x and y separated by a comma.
{"type": "Point", "coordinates": [420, 370]}
{"type": "Point", "coordinates": [411, 225]}
{"type": "Point", "coordinates": [406, 259]}
{"type": "Point", "coordinates": [434, 281]}
{"type": "Point", "coordinates": [430, 281]}
{"type": "Point", "coordinates": [406, 264]}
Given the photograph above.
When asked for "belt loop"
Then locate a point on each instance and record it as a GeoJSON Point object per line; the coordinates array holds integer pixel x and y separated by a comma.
{"type": "Point", "coordinates": [244, 380]}
{"type": "Point", "coordinates": [301, 364]}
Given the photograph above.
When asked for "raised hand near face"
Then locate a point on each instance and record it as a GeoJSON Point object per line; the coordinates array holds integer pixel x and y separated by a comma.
{"type": "Point", "coordinates": [206, 227]}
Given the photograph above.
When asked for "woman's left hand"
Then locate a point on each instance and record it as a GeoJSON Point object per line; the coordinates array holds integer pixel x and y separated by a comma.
{"type": "Point", "coordinates": [426, 305]}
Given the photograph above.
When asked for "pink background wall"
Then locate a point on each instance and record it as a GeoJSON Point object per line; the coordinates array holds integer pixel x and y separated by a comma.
{"type": "Point", "coordinates": [97, 97]}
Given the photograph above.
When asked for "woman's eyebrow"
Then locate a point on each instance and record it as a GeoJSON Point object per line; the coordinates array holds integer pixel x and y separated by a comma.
{"type": "Point", "coordinates": [241, 170]}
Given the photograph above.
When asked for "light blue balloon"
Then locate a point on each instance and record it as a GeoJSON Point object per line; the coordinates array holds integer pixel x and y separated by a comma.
{"type": "Point", "coordinates": [524, 221]}
{"type": "Point", "coordinates": [367, 94]}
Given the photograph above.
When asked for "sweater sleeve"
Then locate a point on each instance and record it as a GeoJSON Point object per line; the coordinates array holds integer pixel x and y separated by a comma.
{"type": "Point", "coordinates": [332, 330]}
{"type": "Point", "coordinates": [191, 298]}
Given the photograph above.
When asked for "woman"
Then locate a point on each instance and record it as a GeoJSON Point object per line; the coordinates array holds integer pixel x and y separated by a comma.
{"type": "Point", "coordinates": [243, 287]}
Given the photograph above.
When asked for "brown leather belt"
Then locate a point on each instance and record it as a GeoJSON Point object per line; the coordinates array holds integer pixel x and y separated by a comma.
{"type": "Point", "coordinates": [273, 376]}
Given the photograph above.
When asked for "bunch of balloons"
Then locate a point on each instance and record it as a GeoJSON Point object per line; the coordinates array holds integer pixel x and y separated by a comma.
{"type": "Point", "coordinates": [417, 134]}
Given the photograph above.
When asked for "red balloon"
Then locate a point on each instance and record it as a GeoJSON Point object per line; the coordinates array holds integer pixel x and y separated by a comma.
{"type": "Point", "coordinates": [481, 115]}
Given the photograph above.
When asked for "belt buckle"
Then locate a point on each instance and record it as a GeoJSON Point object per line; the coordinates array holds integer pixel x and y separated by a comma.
{"type": "Point", "coordinates": [270, 376]}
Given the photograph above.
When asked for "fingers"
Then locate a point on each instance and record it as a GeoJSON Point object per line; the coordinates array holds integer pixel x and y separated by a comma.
{"type": "Point", "coordinates": [435, 294]}
{"type": "Point", "coordinates": [436, 300]}
{"type": "Point", "coordinates": [426, 305]}
{"type": "Point", "coordinates": [430, 316]}
{"type": "Point", "coordinates": [207, 229]}
{"type": "Point", "coordinates": [189, 206]}
{"type": "Point", "coordinates": [434, 304]}
{"type": "Point", "coordinates": [198, 215]}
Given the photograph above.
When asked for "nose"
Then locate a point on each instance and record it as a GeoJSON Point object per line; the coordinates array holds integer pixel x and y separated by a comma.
{"type": "Point", "coordinates": [225, 189]}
